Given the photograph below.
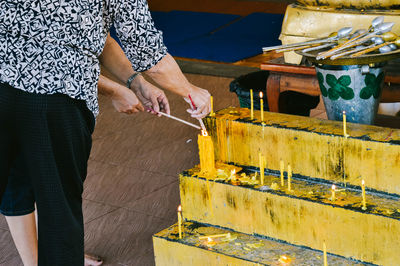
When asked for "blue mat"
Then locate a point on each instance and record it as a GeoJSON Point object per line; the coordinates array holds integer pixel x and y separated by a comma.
{"type": "Point", "coordinates": [241, 39]}
{"type": "Point", "coordinates": [216, 37]}
{"type": "Point", "coordinates": [178, 26]}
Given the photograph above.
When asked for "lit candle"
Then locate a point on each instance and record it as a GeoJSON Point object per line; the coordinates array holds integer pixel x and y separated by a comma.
{"type": "Point", "coordinates": [210, 242]}
{"type": "Point", "coordinates": [212, 106]}
{"type": "Point", "coordinates": [180, 221]}
{"type": "Point", "coordinates": [261, 168]}
{"type": "Point", "coordinates": [285, 260]}
{"type": "Point", "coordinates": [325, 255]}
{"type": "Point", "coordinates": [289, 175]}
{"type": "Point", "coordinates": [344, 124]}
{"type": "Point", "coordinates": [364, 200]}
{"type": "Point", "coordinates": [251, 105]}
{"type": "Point", "coordinates": [282, 166]}
{"type": "Point", "coordinates": [206, 153]}
{"type": "Point", "coordinates": [333, 197]}
{"type": "Point", "coordinates": [262, 106]}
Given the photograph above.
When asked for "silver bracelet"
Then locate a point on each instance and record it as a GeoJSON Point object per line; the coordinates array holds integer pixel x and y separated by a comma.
{"type": "Point", "coordinates": [131, 78]}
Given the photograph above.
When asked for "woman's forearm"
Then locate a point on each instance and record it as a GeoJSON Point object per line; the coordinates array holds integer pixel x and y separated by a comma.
{"type": "Point", "coordinates": [168, 75]}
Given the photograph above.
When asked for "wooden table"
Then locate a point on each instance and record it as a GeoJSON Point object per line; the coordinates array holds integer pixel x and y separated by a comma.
{"type": "Point", "coordinates": [302, 78]}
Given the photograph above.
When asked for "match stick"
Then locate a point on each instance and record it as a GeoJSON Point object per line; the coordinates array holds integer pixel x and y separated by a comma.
{"type": "Point", "coordinates": [176, 118]}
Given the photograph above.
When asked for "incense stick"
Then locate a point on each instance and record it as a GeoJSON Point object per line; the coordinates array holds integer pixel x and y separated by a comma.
{"type": "Point", "coordinates": [180, 120]}
{"type": "Point", "coordinates": [176, 118]}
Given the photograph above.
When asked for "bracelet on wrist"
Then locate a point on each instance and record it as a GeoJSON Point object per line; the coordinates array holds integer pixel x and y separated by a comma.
{"type": "Point", "coordinates": [130, 79]}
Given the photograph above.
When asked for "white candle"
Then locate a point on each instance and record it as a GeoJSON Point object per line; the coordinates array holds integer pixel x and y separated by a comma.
{"type": "Point", "coordinates": [282, 168]}
{"type": "Point", "coordinates": [364, 200]}
{"type": "Point", "coordinates": [344, 124]}
{"type": "Point", "coordinates": [262, 106]}
{"type": "Point", "coordinates": [289, 177]}
{"type": "Point", "coordinates": [180, 221]}
{"type": "Point", "coordinates": [251, 105]}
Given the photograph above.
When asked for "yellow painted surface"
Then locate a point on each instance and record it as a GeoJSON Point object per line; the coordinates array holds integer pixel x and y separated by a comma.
{"type": "Point", "coordinates": [313, 147]}
{"type": "Point", "coordinates": [360, 235]}
{"type": "Point", "coordinates": [169, 253]}
{"type": "Point", "coordinates": [305, 23]}
{"type": "Point", "coordinates": [237, 249]}
{"type": "Point", "coordinates": [352, 4]}
{"type": "Point", "coordinates": [314, 23]}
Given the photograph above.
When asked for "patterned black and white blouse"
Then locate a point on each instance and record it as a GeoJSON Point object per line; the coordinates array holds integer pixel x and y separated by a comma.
{"type": "Point", "coordinates": [51, 46]}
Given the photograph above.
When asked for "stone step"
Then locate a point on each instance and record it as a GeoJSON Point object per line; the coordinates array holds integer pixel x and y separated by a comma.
{"type": "Point", "coordinates": [238, 249]}
{"type": "Point", "coordinates": [314, 148]}
{"type": "Point", "coordinates": [304, 216]}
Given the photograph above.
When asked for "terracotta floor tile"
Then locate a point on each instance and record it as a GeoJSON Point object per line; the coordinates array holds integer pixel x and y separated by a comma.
{"type": "Point", "coordinates": [93, 210]}
{"type": "Point", "coordinates": [162, 203]}
{"type": "Point", "coordinates": [3, 223]}
{"type": "Point", "coordinates": [145, 260]}
{"type": "Point", "coordinates": [15, 261]}
{"type": "Point", "coordinates": [117, 185]}
{"type": "Point", "coordinates": [136, 141]}
{"type": "Point", "coordinates": [170, 159]}
{"type": "Point", "coordinates": [109, 121]}
{"type": "Point", "coordinates": [7, 247]}
{"type": "Point", "coordinates": [122, 236]}
{"type": "Point", "coordinates": [316, 112]}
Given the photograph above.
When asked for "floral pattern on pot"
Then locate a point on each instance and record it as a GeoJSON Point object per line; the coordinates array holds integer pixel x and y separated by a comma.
{"type": "Point", "coordinates": [337, 87]}
{"type": "Point", "coordinates": [372, 86]}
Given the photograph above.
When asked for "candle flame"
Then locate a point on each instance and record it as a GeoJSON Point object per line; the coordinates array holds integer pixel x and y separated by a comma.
{"type": "Point", "coordinates": [261, 95]}
{"type": "Point", "coordinates": [204, 132]}
{"type": "Point", "coordinates": [333, 187]}
{"type": "Point", "coordinates": [363, 182]}
{"type": "Point", "coordinates": [233, 171]}
{"type": "Point", "coordinates": [344, 112]}
{"type": "Point", "coordinates": [284, 259]}
{"type": "Point", "coordinates": [209, 239]}
{"type": "Point", "coordinates": [179, 208]}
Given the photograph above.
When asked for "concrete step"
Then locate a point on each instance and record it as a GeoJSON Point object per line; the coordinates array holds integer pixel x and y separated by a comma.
{"type": "Point", "coordinates": [238, 249]}
{"type": "Point", "coordinates": [304, 216]}
{"type": "Point", "coordinates": [314, 148]}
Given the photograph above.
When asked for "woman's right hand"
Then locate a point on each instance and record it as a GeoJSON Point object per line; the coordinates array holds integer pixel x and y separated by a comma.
{"type": "Point", "coordinates": [201, 99]}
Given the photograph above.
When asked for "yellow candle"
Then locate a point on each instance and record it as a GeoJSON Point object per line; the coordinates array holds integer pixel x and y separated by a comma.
{"type": "Point", "coordinates": [262, 106]}
{"type": "Point", "coordinates": [180, 221]}
{"type": "Point", "coordinates": [251, 105]}
{"type": "Point", "coordinates": [215, 236]}
{"type": "Point", "coordinates": [260, 157]}
{"type": "Point", "coordinates": [289, 174]}
{"type": "Point", "coordinates": [344, 124]}
{"type": "Point", "coordinates": [333, 197]}
{"type": "Point", "coordinates": [325, 255]}
{"type": "Point", "coordinates": [264, 167]}
{"type": "Point", "coordinates": [282, 166]}
{"type": "Point", "coordinates": [206, 153]}
{"type": "Point", "coordinates": [212, 106]}
{"type": "Point", "coordinates": [364, 200]}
